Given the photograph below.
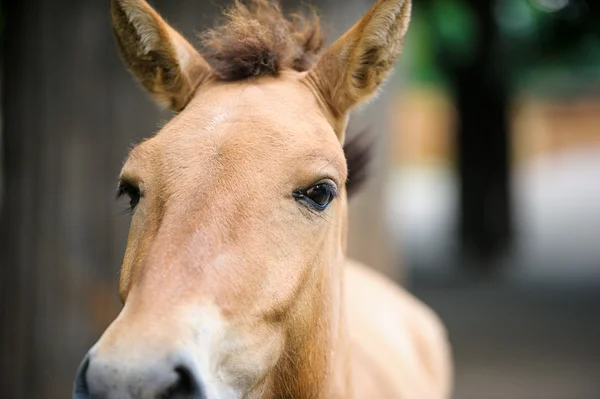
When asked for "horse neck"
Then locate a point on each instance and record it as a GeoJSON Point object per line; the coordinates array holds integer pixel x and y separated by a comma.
{"type": "Point", "coordinates": [315, 363]}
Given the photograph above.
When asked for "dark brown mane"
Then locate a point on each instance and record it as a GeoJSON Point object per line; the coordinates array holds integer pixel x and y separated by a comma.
{"type": "Point", "coordinates": [358, 152]}
{"type": "Point", "coordinates": [257, 39]}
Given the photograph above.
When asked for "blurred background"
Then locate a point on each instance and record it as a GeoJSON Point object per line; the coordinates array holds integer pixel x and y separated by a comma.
{"type": "Point", "coordinates": [484, 199]}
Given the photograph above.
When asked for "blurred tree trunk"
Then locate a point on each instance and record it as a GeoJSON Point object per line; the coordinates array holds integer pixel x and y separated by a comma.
{"type": "Point", "coordinates": [55, 233]}
{"type": "Point", "coordinates": [483, 146]}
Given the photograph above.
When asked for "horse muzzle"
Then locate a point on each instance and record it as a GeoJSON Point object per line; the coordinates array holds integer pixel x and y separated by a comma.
{"type": "Point", "coordinates": [123, 378]}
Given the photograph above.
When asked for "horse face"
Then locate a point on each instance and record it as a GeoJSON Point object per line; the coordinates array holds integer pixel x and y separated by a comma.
{"type": "Point", "coordinates": [231, 280]}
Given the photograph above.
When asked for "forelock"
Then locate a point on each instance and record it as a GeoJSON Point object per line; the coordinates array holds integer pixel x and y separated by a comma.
{"type": "Point", "coordinates": [257, 39]}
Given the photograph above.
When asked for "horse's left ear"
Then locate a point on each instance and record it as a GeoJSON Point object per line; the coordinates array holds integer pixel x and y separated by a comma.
{"type": "Point", "coordinates": [354, 67]}
{"type": "Point", "coordinates": [162, 60]}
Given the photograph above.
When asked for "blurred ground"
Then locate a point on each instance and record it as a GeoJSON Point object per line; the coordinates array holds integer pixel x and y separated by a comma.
{"type": "Point", "coordinates": [519, 341]}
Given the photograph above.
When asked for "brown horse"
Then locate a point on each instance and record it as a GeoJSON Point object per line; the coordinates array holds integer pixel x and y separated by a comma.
{"type": "Point", "coordinates": [235, 282]}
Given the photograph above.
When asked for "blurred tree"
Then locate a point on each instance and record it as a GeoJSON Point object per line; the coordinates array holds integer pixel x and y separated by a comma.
{"type": "Point", "coordinates": [482, 52]}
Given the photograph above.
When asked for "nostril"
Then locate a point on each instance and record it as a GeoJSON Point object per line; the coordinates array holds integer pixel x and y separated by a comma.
{"type": "Point", "coordinates": [80, 390]}
{"type": "Point", "coordinates": [116, 378]}
{"type": "Point", "coordinates": [185, 386]}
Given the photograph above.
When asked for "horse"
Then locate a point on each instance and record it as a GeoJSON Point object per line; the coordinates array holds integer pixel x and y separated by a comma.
{"type": "Point", "coordinates": [235, 281]}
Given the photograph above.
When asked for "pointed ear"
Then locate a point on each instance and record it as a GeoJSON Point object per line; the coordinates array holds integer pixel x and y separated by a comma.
{"type": "Point", "coordinates": [354, 67]}
{"type": "Point", "coordinates": [166, 64]}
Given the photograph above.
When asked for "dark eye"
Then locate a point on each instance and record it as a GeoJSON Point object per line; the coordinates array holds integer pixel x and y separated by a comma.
{"type": "Point", "coordinates": [132, 191]}
{"type": "Point", "coordinates": [317, 196]}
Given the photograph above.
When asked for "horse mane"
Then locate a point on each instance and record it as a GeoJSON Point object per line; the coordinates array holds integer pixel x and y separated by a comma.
{"type": "Point", "coordinates": [257, 39]}
{"type": "Point", "coordinates": [358, 154]}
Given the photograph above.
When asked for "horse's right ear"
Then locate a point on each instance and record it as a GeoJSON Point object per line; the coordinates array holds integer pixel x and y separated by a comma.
{"type": "Point", "coordinates": [165, 63]}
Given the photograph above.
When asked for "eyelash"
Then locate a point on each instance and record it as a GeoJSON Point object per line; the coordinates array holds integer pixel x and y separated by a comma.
{"type": "Point", "coordinates": [130, 190]}
{"type": "Point", "coordinates": [309, 199]}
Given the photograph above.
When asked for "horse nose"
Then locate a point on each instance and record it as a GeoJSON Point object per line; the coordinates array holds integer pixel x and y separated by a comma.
{"type": "Point", "coordinates": [113, 379]}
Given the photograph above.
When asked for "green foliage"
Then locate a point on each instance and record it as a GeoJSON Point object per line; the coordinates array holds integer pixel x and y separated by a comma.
{"type": "Point", "coordinates": [419, 52]}
{"type": "Point", "coordinates": [457, 29]}
{"type": "Point", "coordinates": [540, 45]}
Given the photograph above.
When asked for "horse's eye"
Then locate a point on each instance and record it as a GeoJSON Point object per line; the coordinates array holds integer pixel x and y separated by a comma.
{"type": "Point", "coordinates": [317, 196]}
{"type": "Point", "coordinates": [134, 196]}
{"type": "Point", "coordinates": [320, 194]}
{"type": "Point", "coordinates": [133, 192]}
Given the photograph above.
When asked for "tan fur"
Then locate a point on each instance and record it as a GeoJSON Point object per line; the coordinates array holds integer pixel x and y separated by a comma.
{"type": "Point", "coordinates": [401, 341]}
{"type": "Point", "coordinates": [223, 262]}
